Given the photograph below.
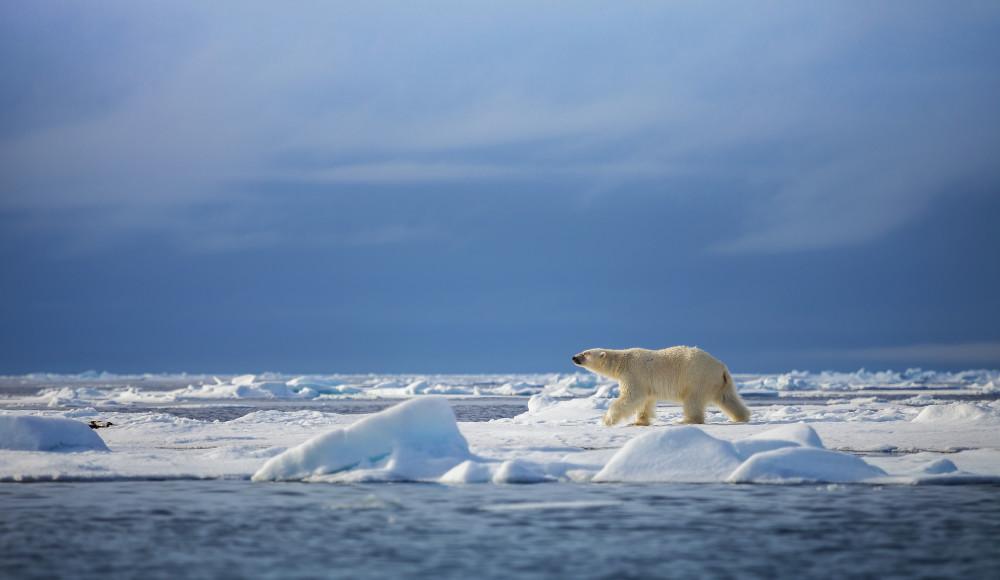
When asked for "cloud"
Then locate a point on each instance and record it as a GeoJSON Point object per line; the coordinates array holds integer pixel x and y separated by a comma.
{"type": "Point", "coordinates": [836, 125]}
{"type": "Point", "coordinates": [398, 173]}
{"type": "Point", "coordinates": [261, 236]}
{"type": "Point", "coordinates": [854, 200]}
{"type": "Point", "coordinates": [974, 353]}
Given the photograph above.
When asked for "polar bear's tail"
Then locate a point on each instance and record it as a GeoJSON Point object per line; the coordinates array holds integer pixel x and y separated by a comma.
{"type": "Point", "coordinates": [730, 402]}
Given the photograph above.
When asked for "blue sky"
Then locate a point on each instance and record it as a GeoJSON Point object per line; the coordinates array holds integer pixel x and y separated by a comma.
{"type": "Point", "coordinates": [451, 187]}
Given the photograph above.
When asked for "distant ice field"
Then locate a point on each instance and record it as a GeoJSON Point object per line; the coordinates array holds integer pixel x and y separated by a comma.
{"type": "Point", "coordinates": [883, 427]}
{"type": "Point", "coordinates": [101, 389]}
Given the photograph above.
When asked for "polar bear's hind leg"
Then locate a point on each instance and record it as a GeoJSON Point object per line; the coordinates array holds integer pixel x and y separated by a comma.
{"type": "Point", "coordinates": [731, 403]}
{"type": "Point", "coordinates": [694, 410]}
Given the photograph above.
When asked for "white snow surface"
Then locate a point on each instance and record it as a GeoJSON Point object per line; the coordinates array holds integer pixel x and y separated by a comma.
{"type": "Point", "coordinates": [961, 414]}
{"type": "Point", "coordinates": [804, 465]}
{"type": "Point", "coordinates": [26, 433]}
{"type": "Point", "coordinates": [890, 427]}
{"type": "Point", "coordinates": [787, 454]}
{"type": "Point", "coordinates": [682, 454]}
{"type": "Point", "coordinates": [415, 440]}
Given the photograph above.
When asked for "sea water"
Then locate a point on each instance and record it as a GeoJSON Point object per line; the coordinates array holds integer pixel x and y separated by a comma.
{"type": "Point", "coordinates": [219, 528]}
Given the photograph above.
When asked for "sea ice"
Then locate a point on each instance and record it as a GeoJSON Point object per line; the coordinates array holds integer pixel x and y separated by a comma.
{"type": "Point", "coordinates": [91, 388]}
{"type": "Point", "coordinates": [27, 433]}
{"type": "Point", "coordinates": [787, 454]}
{"type": "Point", "coordinates": [559, 438]}
{"type": "Point", "coordinates": [961, 413]}
{"type": "Point", "coordinates": [681, 454]}
{"type": "Point", "coordinates": [414, 440]}
{"type": "Point", "coordinates": [788, 435]}
{"type": "Point", "coordinates": [519, 471]}
{"type": "Point", "coordinates": [547, 409]}
{"type": "Point", "coordinates": [940, 466]}
{"type": "Point", "coordinates": [468, 471]}
{"type": "Point", "coordinates": [510, 471]}
{"type": "Point", "coordinates": [804, 465]}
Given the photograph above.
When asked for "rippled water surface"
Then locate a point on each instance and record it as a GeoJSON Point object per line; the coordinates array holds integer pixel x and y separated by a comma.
{"type": "Point", "coordinates": [183, 529]}
{"type": "Point", "coordinates": [466, 409]}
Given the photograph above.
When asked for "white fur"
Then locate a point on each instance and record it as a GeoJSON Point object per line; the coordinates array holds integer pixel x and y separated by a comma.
{"type": "Point", "coordinates": [683, 374]}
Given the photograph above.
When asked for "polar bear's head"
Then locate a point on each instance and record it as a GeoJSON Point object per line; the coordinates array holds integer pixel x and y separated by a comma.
{"type": "Point", "coordinates": [594, 359]}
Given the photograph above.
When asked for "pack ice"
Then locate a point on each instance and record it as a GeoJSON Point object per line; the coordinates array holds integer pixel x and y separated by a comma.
{"type": "Point", "coordinates": [27, 433]}
{"type": "Point", "coordinates": [419, 440]}
{"type": "Point", "coordinates": [415, 440]}
{"type": "Point", "coordinates": [886, 427]}
{"type": "Point", "coordinates": [789, 454]}
{"type": "Point", "coordinates": [91, 388]}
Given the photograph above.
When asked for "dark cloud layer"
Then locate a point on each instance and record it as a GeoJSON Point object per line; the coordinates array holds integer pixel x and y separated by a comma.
{"type": "Point", "coordinates": [458, 188]}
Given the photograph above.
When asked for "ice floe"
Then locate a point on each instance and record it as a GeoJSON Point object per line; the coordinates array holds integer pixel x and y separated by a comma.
{"type": "Point", "coordinates": [804, 465]}
{"type": "Point", "coordinates": [681, 454]}
{"type": "Point", "coordinates": [469, 471]}
{"type": "Point", "coordinates": [27, 433]}
{"type": "Point", "coordinates": [788, 435]}
{"type": "Point", "coordinates": [788, 454]}
{"type": "Point", "coordinates": [519, 471]}
{"type": "Point", "coordinates": [939, 466]}
{"type": "Point", "coordinates": [415, 440]}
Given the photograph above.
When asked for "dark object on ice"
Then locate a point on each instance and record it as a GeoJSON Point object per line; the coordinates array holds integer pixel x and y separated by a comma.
{"type": "Point", "coordinates": [99, 424]}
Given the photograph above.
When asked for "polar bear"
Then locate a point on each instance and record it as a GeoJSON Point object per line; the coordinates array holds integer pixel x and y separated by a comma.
{"type": "Point", "coordinates": [679, 373]}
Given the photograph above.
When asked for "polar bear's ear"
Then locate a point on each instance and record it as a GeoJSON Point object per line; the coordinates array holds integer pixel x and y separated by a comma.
{"type": "Point", "coordinates": [603, 354]}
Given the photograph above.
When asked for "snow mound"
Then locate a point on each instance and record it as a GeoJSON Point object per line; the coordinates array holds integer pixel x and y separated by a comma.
{"type": "Point", "coordinates": [468, 472]}
{"type": "Point", "coordinates": [940, 466]}
{"type": "Point", "coordinates": [511, 471]}
{"type": "Point", "coordinates": [543, 408]}
{"type": "Point", "coordinates": [26, 433]}
{"type": "Point", "coordinates": [519, 471]}
{"type": "Point", "coordinates": [788, 454]}
{"type": "Point", "coordinates": [412, 441]}
{"type": "Point", "coordinates": [683, 454]}
{"type": "Point", "coordinates": [791, 435]}
{"type": "Point", "coordinates": [804, 465]}
{"type": "Point", "coordinates": [964, 413]}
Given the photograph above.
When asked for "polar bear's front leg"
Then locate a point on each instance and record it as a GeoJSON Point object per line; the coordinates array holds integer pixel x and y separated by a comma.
{"type": "Point", "coordinates": [647, 414]}
{"type": "Point", "coordinates": [624, 406]}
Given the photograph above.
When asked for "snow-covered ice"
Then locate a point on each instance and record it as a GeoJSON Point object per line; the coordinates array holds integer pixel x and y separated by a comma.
{"type": "Point", "coordinates": [97, 389]}
{"type": "Point", "coordinates": [47, 434]}
{"type": "Point", "coordinates": [787, 454]}
{"type": "Point", "coordinates": [886, 427]}
{"type": "Point", "coordinates": [804, 465]}
{"type": "Point", "coordinates": [961, 414]}
{"type": "Point", "coordinates": [415, 440]}
{"type": "Point", "coordinates": [683, 454]}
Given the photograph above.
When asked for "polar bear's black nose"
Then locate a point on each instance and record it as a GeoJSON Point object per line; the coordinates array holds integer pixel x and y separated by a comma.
{"type": "Point", "coordinates": [577, 358]}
